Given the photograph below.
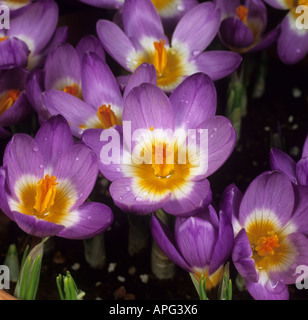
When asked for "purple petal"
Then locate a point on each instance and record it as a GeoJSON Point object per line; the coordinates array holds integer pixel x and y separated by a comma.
{"type": "Point", "coordinates": [198, 27]}
{"type": "Point", "coordinates": [278, 4]}
{"type": "Point", "coordinates": [13, 53]}
{"type": "Point", "coordinates": [292, 43]}
{"type": "Point", "coordinates": [242, 257]}
{"type": "Point", "coordinates": [36, 227]}
{"type": "Point", "coordinates": [266, 41]}
{"type": "Point", "coordinates": [302, 171]}
{"type": "Point", "coordinates": [191, 196]}
{"type": "Point", "coordinates": [140, 19]}
{"type": "Point", "coordinates": [269, 194]}
{"type": "Point", "coordinates": [305, 148]}
{"type": "Point", "coordinates": [99, 86]}
{"type": "Point", "coordinates": [37, 23]}
{"type": "Point", "coordinates": [265, 291]}
{"type": "Point", "coordinates": [282, 162]}
{"type": "Point", "coordinates": [4, 206]}
{"type": "Point", "coordinates": [166, 241]}
{"type": "Point", "coordinates": [90, 44]}
{"type": "Point", "coordinates": [78, 165]}
{"type": "Point", "coordinates": [145, 73]}
{"type": "Point", "coordinates": [115, 42]}
{"type": "Point", "coordinates": [74, 110]}
{"type": "Point", "coordinates": [53, 138]}
{"type": "Point", "coordinates": [196, 238]}
{"type": "Point", "coordinates": [300, 214]}
{"type": "Point", "coordinates": [106, 4]}
{"type": "Point", "coordinates": [227, 7]}
{"type": "Point", "coordinates": [234, 33]}
{"type": "Point", "coordinates": [22, 157]}
{"type": "Point", "coordinates": [130, 199]}
{"type": "Point", "coordinates": [194, 101]}
{"type": "Point", "coordinates": [93, 219]}
{"type": "Point", "coordinates": [62, 67]}
{"type": "Point", "coordinates": [218, 64]}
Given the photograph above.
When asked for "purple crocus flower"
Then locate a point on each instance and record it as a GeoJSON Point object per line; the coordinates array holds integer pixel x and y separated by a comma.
{"type": "Point", "coordinates": [201, 244]}
{"type": "Point", "coordinates": [98, 102]}
{"type": "Point", "coordinates": [178, 187]}
{"type": "Point", "coordinates": [297, 172]}
{"type": "Point", "coordinates": [62, 71]}
{"type": "Point", "coordinates": [144, 40]}
{"type": "Point", "coordinates": [32, 33]}
{"type": "Point", "coordinates": [243, 25]}
{"type": "Point", "coordinates": [293, 41]}
{"type": "Point", "coordinates": [270, 229]}
{"type": "Point", "coordinates": [14, 105]}
{"type": "Point", "coordinates": [45, 182]}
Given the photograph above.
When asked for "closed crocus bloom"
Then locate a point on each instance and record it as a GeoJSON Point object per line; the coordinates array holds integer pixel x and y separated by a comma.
{"type": "Point", "coordinates": [293, 40]}
{"type": "Point", "coordinates": [45, 182]}
{"type": "Point", "coordinates": [297, 172]}
{"type": "Point", "coordinates": [14, 105]}
{"type": "Point", "coordinates": [144, 41]}
{"type": "Point", "coordinates": [86, 92]}
{"type": "Point", "coordinates": [171, 172]}
{"type": "Point", "coordinates": [32, 32]}
{"type": "Point", "coordinates": [243, 25]}
{"type": "Point", "coordinates": [201, 244]}
{"type": "Point", "coordinates": [270, 229]}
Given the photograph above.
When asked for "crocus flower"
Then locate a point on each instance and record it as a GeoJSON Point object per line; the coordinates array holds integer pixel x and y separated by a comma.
{"type": "Point", "coordinates": [31, 34]}
{"type": "Point", "coordinates": [178, 187]}
{"type": "Point", "coordinates": [270, 229]}
{"type": "Point", "coordinates": [62, 71]}
{"type": "Point", "coordinates": [143, 40]}
{"type": "Point", "coordinates": [45, 182]}
{"type": "Point", "coordinates": [201, 244]}
{"type": "Point", "coordinates": [243, 25]}
{"type": "Point", "coordinates": [102, 101]}
{"type": "Point", "coordinates": [14, 105]}
{"type": "Point", "coordinates": [292, 42]}
{"type": "Point", "coordinates": [297, 172]}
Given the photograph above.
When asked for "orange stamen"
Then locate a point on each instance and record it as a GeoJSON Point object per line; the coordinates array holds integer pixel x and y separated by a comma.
{"type": "Point", "coordinates": [73, 90]}
{"type": "Point", "coordinates": [242, 13]}
{"type": "Point", "coordinates": [107, 117]}
{"type": "Point", "coordinates": [8, 99]}
{"type": "Point", "coordinates": [164, 169]}
{"type": "Point", "coordinates": [45, 195]}
{"type": "Point", "coordinates": [3, 38]}
{"type": "Point", "coordinates": [266, 245]}
{"type": "Point", "coordinates": [160, 56]}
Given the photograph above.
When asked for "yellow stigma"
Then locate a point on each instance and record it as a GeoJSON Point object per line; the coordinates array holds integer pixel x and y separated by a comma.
{"type": "Point", "coordinates": [166, 168]}
{"type": "Point", "coordinates": [107, 117]}
{"type": "Point", "coordinates": [266, 245]}
{"type": "Point", "coordinates": [303, 2]}
{"type": "Point", "coordinates": [45, 195]}
{"type": "Point", "coordinates": [160, 56]}
{"type": "Point", "coordinates": [8, 99]}
{"type": "Point", "coordinates": [3, 38]}
{"type": "Point", "coordinates": [242, 13]}
{"type": "Point", "coordinates": [72, 90]}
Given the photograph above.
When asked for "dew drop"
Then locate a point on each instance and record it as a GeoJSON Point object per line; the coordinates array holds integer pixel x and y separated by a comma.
{"type": "Point", "coordinates": [120, 198]}
{"type": "Point", "coordinates": [127, 188]}
{"type": "Point", "coordinates": [35, 149]}
{"type": "Point", "coordinates": [118, 169]}
{"type": "Point", "coordinates": [77, 158]}
{"type": "Point", "coordinates": [196, 52]}
{"type": "Point", "coordinates": [138, 199]}
{"type": "Point", "coordinates": [211, 136]}
{"type": "Point", "coordinates": [181, 7]}
{"type": "Point", "coordinates": [215, 129]}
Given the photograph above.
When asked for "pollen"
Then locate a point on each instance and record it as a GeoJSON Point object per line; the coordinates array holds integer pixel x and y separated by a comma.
{"type": "Point", "coordinates": [72, 90]}
{"type": "Point", "coordinates": [107, 117]}
{"type": "Point", "coordinates": [266, 245]}
{"type": "Point", "coordinates": [303, 2]}
{"type": "Point", "coordinates": [242, 13]}
{"type": "Point", "coordinates": [45, 195]}
{"type": "Point", "coordinates": [160, 56]}
{"type": "Point", "coordinates": [8, 100]}
{"type": "Point", "coordinates": [151, 128]}
{"type": "Point", "coordinates": [3, 38]}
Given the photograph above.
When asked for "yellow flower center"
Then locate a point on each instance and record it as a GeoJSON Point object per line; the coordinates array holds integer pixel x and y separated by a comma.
{"type": "Point", "coordinates": [8, 99]}
{"type": "Point", "coordinates": [3, 38]}
{"type": "Point", "coordinates": [303, 2]}
{"type": "Point", "coordinates": [72, 90]}
{"type": "Point", "coordinates": [45, 195]}
{"type": "Point", "coordinates": [107, 117]}
{"type": "Point", "coordinates": [164, 169]}
{"type": "Point", "coordinates": [160, 57]}
{"type": "Point", "coordinates": [266, 245]}
{"type": "Point", "coordinates": [242, 13]}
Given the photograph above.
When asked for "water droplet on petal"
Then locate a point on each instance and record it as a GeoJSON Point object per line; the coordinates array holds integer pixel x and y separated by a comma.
{"type": "Point", "coordinates": [118, 169]}
{"type": "Point", "coordinates": [77, 158]}
{"type": "Point", "coordinates": [181, 7]}
{"type": "Point", "coordinates": [35, 149]}
{"type": "Point", "coordinates": [127, 188]}
{"type": "Point", "coordinates": [138, 199]}
{"type": "Point", "coordinates": [120, 198]}
{"type": "Point", "coordinates": [196, 52]}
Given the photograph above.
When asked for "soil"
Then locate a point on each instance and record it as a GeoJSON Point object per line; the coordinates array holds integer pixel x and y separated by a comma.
{"type": "Point", "coordinates": [278, 118]}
